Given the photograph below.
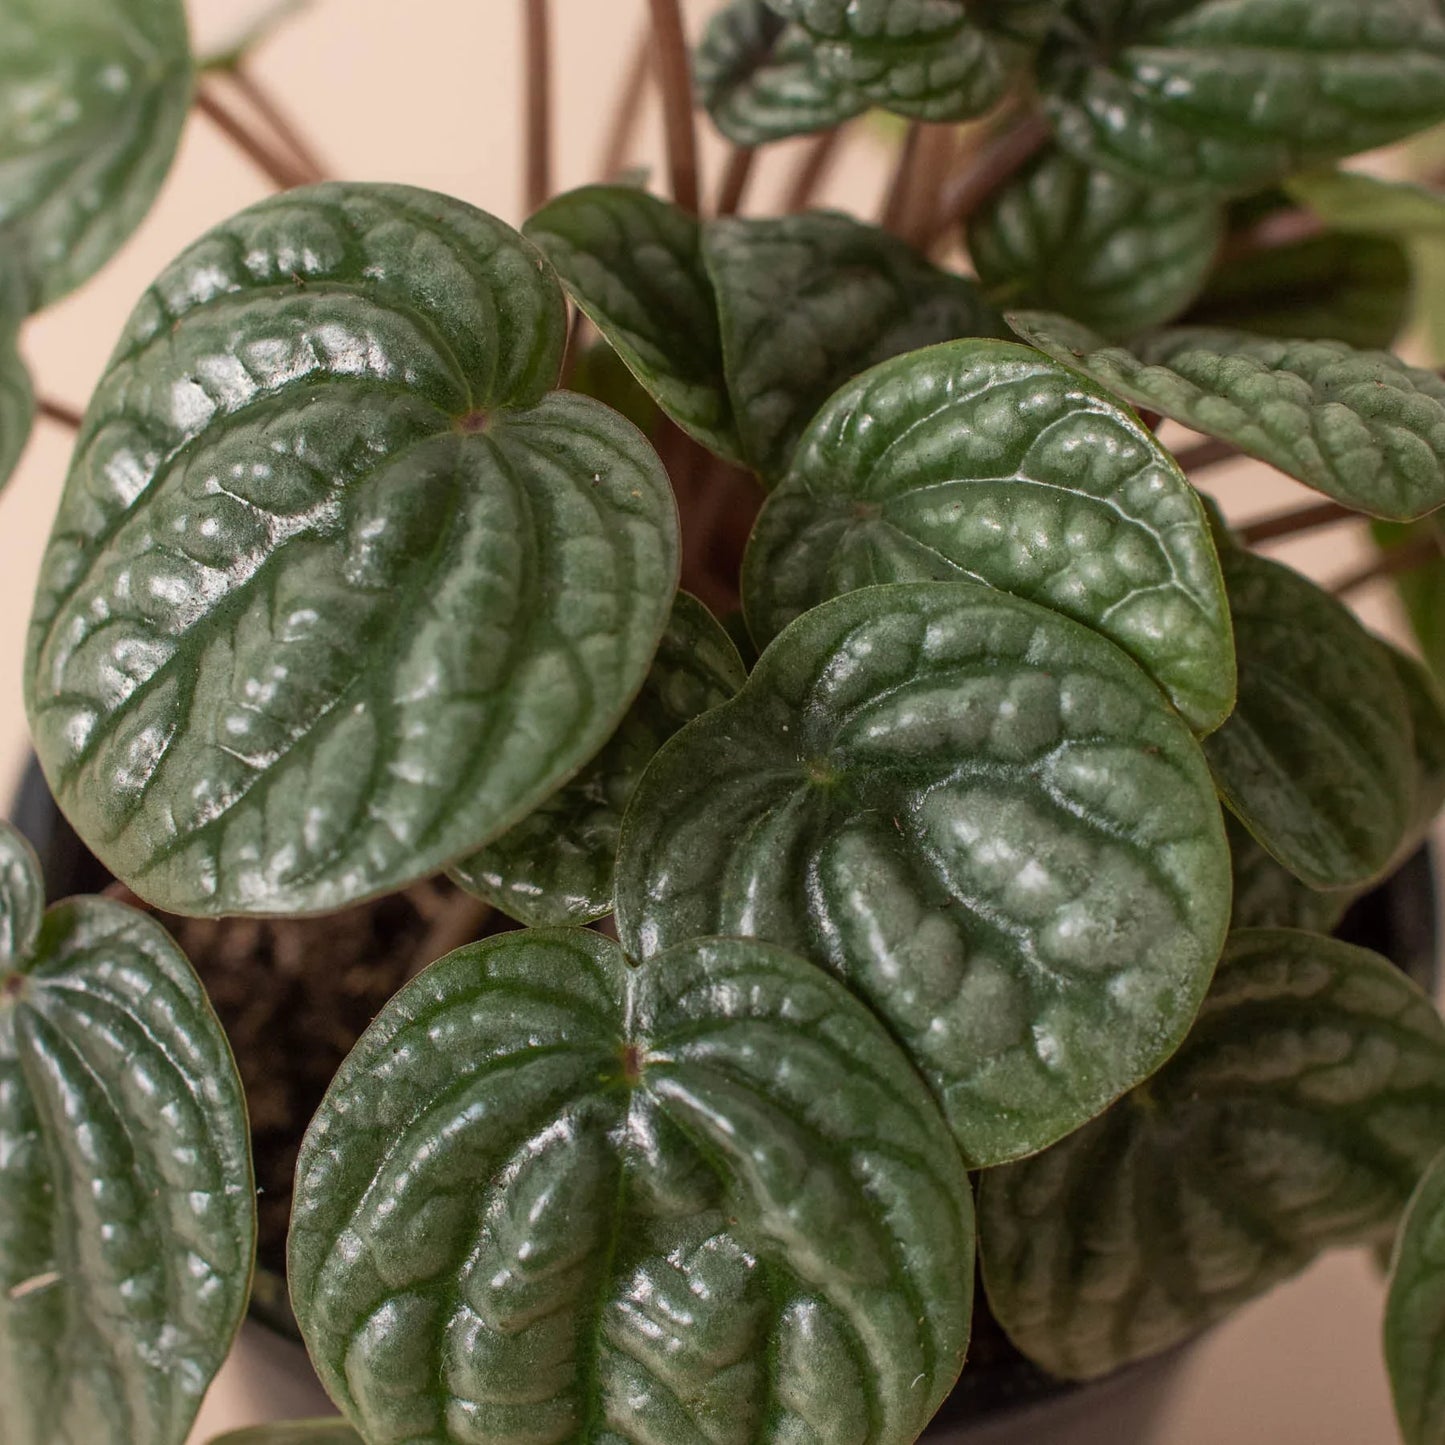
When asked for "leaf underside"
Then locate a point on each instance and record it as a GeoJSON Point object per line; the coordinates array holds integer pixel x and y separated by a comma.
{"type": "Point", "coordinates": [553, 1195]}
{"type": "Point", "coordinates": [982, 817]}
{"type": "Point", "coordinates": [1415, 1314]}
{"type": "Point", "coordinates": [1297, 1116]}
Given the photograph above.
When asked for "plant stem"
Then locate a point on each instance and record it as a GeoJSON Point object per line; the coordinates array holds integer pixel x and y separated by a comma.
{"type": "Point", "coordinates": [1208, 453]}
{"type": "Point", "coordinates": [989, 170]}
{"type": "Point", "coordinates": [812, 169]}
{"type": "Point", "coordinates": [58, 412]}
{"type": "Point", "coordinates": [537, 25]}
{"type": "Point", "coordinates": [735, 179]}
{"type": "Point", "coordinates": [674, 68]}
{"type": "Point", "coordinates": [937, 150]}
{"type": "Point", "coordinates": [282, 172]}
{"type": "Point", "coordinates": [1294, 522]}
{"type": "Point", "coordinates": [1419, 552]}
{"type": "Point", "coordinates": [625, 118]}
{"type": "Point", "coordinates": [266, 107]}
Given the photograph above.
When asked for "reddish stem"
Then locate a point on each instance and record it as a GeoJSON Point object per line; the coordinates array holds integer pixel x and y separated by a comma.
{"type": "Point", "coordinates": [674, 68]}
{"type": "Point", "coordinates": [536, 23]}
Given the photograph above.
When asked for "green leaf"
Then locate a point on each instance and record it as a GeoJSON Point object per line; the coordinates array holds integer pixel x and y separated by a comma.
{"type": "Point", "coordinates": [761, 79]}
{"type": "Point", "coordinates": [17, 399]}
{"type": "Point", "coordinates": [984, 460]}
{"type": "Point", "coordinates": [552, 1196]}
{"type": "Point", "coordinates": [556, 865]}
{"type": "Point", "coordinates": [1415, 1314]}
{"type": "Point", "coordinates": [1421, 589]}
{"type": "Point", "coordinates": [127, 1217]}
{"type": "Point", "coordinates": [1235, 93]}
{"type": "Point", "coordinates": [1425, 702]}
{"type": "Point", "coordinates": [338, 591]}
{"type": "Point", "coordinates": [92, 100]}
{"type": "Point", "coordinates": [1335, 287]}
{"type": "Point", "coordinates": [254, 27]}
{"type": "Point", "coordinates": [1354, 201]}
{"type": "Point", "coordinates": [1360, 426]}
{"type": "Point", "coordinates": [982, 817]}
{"type": "Point", "coordinates": [603, 375]}
{"type": "Point", "coordinates": [1298, 1115]}
{"type": "Point", "coordinates": [293, 1432]}
{"type": "Point", "coordinates": [1112, 254]}
{"type": "Point", "coordinates": [808, 302]}
{"type": "Point", "coordinates": [1268, 895]}
{"type": "Point", "coordinates": [1317, 758]}
{"type": "Point", "coordinates": [633, 263]}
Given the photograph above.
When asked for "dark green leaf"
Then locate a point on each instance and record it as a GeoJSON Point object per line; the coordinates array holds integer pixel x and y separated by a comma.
{"type": "Point", "coordinates": [1415, 1314]}
{"type": "Point", "coordinates": [1297, 1116]}
{"type": "Point", "coordinates": [982, 816]}
{"type": "Point", "coordinates": [294, 1432]}
{"type": "Point", "coordinates": [550, 1196]}
{"type": "Point", "coordinates": [92, 99]}
{"type": "Point", "coordinates": [338, 592]}
{"type": "Point", "coordinates": [761, 78]}
{"type": "Point", "coordinates": [1113, 254]}
{"type": "Point", "coordinates": [127, 1216]}
{"type": "Point", "coordinates": [1317, 759]}
{"type": "Point", "coordinates": [1335, 287]}
{"type": "Point", "coordinates": [633, 264]}
{"type": "Point", "coordinates": [984, 459]}
{"type": "Point", "coordinates": [1360, 426]}
{"type": "Point", "coordinates": [807, 302]}
{"type": "Point", "coordinates": [1268, 895]}
{"type": "Point", "coordinates": [556, 865]}
{"type": "Point", "coordinates": [1421, 589]}
{"type": "Point", "coordinates": [603, 375]}
{"type": "Point", "coordinates": [17, 400]}
{"type": "Point", "coordinates": [1235, 93]}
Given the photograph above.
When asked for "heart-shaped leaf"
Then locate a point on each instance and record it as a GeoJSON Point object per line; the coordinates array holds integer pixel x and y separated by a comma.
{"type": "Point", "coordinates": [556, 865]}
{"type": "Point", "coordinates": [982, 816]}
{"type": "Point", "coordinates": [128, 1215]}
{"type": "Point", "coordinates": [338, 591]}
{"type": "Point", "coordinates": [1113, 254]}
{"type": "Point", "coordinates": [984, 459]}
{"type": "Point", "coordinates": [1334, 287]}
{"type": "Point", "coordinates": [1317, 758]}
{"type": "Point", "coordinates": [294, 1432]}
{"type": "Point", "coordinates": [17, 399]}
{"type": "Point", "coordinates": [1415, 1314]}
{"type": "Point", "coordinates": [633, 263]}
{"type": "Point", "coordinates": [1360, 426]}
{"type": "Point", "coordinates": [92, 99]}
{"type": "Point", "coordinates": [552, 1196]}
{"type": "Point", "coordinates": [1236, 93]}
{"type": "Point", "coordinates": [761, 78]}
{"type": "Point", "coordinates": [1298, 1115]}
{"type": "Point", "coordinates": [1268, 895]}
{"type": "Point", "coordinates": [808, 302]}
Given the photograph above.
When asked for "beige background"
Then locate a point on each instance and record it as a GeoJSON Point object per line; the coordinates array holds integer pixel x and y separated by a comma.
{"type": "Point", "coordinates": [426, 92]}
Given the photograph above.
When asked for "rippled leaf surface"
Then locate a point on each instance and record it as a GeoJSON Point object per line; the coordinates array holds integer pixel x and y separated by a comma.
{"type": "Point", "coordinates": [338, 590]}
{"type": "Point", "coordinates": [127, 1217]}
{"type": "Point", "coordinates": [1298, 1115]}
{"type": "Point", "coordinates": [1236, 93]}
{"type": "Point", "coordinates": [1317, 758]}
{"type": "Point", "coordinates": [1361, 426]}
{"type": "Point", "coordinates": [983, 459]}
{"type": "Point", "coordinates": [1113, 254]}
{"type": "Point", "coordinates": [808, 302]}
{"type": "Point", "coordinates": [981, 816]}
{"type": "Point", "coordinates": [92, 99]}
{"type": "Point", "coordinates": [1415, 1314]}
{"type": "Point", "coordinates": [554, 1196]}
{"type": "Point", "coordinates": [761, 78]}
{"type": "Point", "coordinates": [556, 866]}
{"type": "Point", "coordinates": [17, 399]}
{"type": "Point", "coordinates": [294, 1432]}
{"type": "Point", "coordinates": [633, 263]}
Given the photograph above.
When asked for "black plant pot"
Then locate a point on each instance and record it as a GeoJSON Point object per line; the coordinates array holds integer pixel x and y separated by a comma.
{"type": "Point", "coordinates": [1002, 1399]}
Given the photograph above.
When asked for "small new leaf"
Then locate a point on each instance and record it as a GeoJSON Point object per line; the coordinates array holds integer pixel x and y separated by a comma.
{"type": "Point", "coordinates": [1361, 426]}
{"type": "Point", "coordinates": [1415, 1314]}
{"type": "Point", "coordinates": [1298, 1116]}
{"type": "Point", "coordinates": [127, 1217]}
{"type": "Point", "coordinates": [553, 1196]}
{"type": "Point", "coordinates": [983, 817]}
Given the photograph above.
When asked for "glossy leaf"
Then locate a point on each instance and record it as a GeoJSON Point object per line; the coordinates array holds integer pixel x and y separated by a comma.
{"type": "Point", "coordinates": [633, 263]}
{"type": "Point", "coordinates": [982, 817]}
{"type": "Point", "coordinates": [1335, 287]}
{"type": "Point", "coordinates": [17, 399]}
{"type": "Point", "coordinates": [294, 1432]}
{"type": "Point", "coordinates": [1070, 237]}
{"type": "Point", "coordinates": [554, 1196]}
{"type": "Point", "coordinates": [1268, 895]}
{"type": "Point", "coordinates": [556, 865]}
{"type": "Point", "coordinates": [127, 1217]}
{"type": "Point", "coordinates": [338, 591]}
{"type": "Point", "coordinates": [985, 460]}
{"type": "Point", "coordinates": [1298, 1115]}
{"type": "Point", "coordinates": [1236, 93]}
{"type": "Point", "coordinates": [808, 302]}
{"type": "Point", "coordinates": [92, 100]}
{"type": "Point", "coordinates": [1361, 426]}
{"type": "Point", "coordinates": [761, 78]}
{"type": "Point", "coordinates": [1317, 757]}
{"type": "Point", "coordinates": [1415, 1314]}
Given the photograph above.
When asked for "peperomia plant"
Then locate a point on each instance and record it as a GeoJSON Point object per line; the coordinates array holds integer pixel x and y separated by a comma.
{"type": "Point", "coordinates": [944, 877]}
